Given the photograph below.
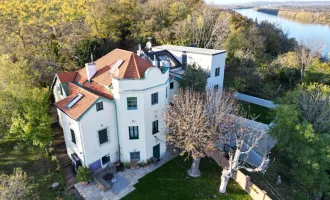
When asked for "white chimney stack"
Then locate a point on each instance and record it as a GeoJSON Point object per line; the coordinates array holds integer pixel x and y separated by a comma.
{"type": "Point", "coordinates": [140, 52]}
{"type": "Point", "coordinates": [155, 62]}
{"type": "Point", "coordinates": [90, 69]}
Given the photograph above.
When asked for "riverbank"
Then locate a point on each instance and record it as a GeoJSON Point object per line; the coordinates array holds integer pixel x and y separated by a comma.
{"type": "Point", "coordinates": [298, 15]}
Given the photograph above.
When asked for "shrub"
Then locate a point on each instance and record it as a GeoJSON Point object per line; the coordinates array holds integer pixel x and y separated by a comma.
{"type": "Point", "coordinates": [84, 174]}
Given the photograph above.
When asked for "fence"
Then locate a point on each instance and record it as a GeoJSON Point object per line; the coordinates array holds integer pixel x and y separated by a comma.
{"type": "Point", "coordinates": [254, 191]}
{"type": "Point", "coordinates": [243, 180]}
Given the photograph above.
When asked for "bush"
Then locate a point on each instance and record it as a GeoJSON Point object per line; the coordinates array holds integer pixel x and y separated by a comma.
{"type": "Point", "coordinates": [127, 165]}
{"type": "Point", "coordinates": [14, 186]}
{"type": "Point", "coordinates": [84, 174]}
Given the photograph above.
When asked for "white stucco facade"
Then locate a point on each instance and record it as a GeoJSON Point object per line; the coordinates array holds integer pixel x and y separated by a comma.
{"type": "Point", "coordinates": [119, 119]}
{"type": "Point", "coordinates": [207, 59]}
{"type": "Point", "coordinates": [154, 82]}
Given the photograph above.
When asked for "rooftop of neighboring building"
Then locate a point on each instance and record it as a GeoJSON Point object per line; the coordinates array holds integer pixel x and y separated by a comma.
{"type": "Point", "coordinates": [190, 49]}
{"type": "Point", "coordinates": [164, 55]}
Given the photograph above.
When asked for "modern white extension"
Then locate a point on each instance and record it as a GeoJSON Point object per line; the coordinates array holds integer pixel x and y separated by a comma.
{"type": "Point", "coordinates": [112, 109]}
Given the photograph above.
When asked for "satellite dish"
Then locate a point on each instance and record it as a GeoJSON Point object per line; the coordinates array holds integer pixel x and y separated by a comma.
{"type": "Point", "coordinates": [149, 45]}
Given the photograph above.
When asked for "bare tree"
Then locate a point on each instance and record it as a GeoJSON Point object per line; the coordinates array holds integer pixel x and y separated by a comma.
{"type": "Point", "coordinates": [192, 120]}
{"type": "Point", "coordinates": [206, 27]}
{"type": "Point", "coordinates": [246, 136]}
{"type": "Point", "coordinates": [307, 50]}
{"type": "Point", "coordinates": [313, 103]}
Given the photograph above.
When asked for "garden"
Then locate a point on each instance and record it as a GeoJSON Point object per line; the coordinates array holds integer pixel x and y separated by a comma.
{"type": "Point", "coordinates": [41, 171]}
{"type": "Point", "coordinates": [171, 181]}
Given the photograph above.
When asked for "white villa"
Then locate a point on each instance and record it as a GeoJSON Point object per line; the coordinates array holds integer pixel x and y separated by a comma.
{"type": "Point", "coordinates": [112, 108]}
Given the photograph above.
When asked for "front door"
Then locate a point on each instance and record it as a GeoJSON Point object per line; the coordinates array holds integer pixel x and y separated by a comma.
{"type": "Point", "coordinates": [156, 151]}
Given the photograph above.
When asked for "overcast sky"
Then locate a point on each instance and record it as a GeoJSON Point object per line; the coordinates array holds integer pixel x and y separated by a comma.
{"type": "Point", "coordinates": [244, 1]}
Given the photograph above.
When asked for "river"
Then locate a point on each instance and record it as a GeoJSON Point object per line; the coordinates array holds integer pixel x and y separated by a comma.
{"type": "Point", "coordinates": [298, 30]}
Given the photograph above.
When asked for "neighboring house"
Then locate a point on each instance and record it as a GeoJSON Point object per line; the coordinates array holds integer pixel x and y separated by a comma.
{"type": "Point", "coordinates": [112, 108]}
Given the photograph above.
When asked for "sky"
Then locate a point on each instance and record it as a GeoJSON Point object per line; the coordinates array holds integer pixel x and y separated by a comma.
{"type": "Point", "coordinates": [245, 1]}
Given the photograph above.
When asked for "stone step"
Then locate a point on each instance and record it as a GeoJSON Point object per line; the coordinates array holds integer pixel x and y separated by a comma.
{"type": "Point", "coordinates": [64, 161]}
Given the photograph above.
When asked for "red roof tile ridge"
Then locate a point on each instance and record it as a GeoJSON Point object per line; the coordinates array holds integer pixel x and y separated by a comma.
{"type": "Point", "coordinates": [126, 66]}
{"type": "Point", "coordinates": [85, 90]}
{"type": "Point", "coordinates": [136, 66]}
{"type": "Point", "coordinates": [125, 51]}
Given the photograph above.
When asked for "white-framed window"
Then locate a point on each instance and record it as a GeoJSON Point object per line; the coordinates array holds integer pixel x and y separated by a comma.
{"type": "Point", "coordinates": [166, 92]}
{"type": "Point", "coordinates": [105, 159]}
{"type": "Point", "coordinates": [99, 106]}
{"type": "Point", "coordinates": [217, 71]}
{"type": "Point", "coordinates": [73, 136]}
{"type": "Point", "coordinates": [154, 98]}
{"type": "Point", "coordinates": [135, 155]}
{"type": "Point", "coordinates": [155, 127]}
{"type": "Point", "coordinates": [133, 132]}
{"type": "Point", "coordinates": [103, 136]}
{"type": "Point", "coordinates": [131, 103]}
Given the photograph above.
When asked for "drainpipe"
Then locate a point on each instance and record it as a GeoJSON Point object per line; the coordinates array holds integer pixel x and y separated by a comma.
{"type": "Point", "coordinates": [114, 101]}
{"type": "Point", "coordinates": [82, 144]}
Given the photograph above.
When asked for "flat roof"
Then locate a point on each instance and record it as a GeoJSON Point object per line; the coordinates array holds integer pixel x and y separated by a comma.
{"type": "Point", "coordinates": [190, 49]}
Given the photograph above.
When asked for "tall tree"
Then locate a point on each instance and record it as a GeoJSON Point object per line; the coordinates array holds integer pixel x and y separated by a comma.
{"type": "Point", "coordinates": [302, 129]}
{"type": "Point", "coordinates": [32, 122]}
{"type": "Point", "coordinates": [246, 137]}
{"type": "Point", "coordinates": [190, 119]}
{"type": "Point", "coordinates": [205, 27]}
{"type": "Point", "coordinates": [194, 78]}
{"type": "Point", "coordinates": [114, 19]}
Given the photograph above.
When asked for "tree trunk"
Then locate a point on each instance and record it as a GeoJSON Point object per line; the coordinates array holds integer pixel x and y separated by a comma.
{"type": "Point", "coordinates": [226, 174]}
{"type": "Point", "coordinates": [194, 170]}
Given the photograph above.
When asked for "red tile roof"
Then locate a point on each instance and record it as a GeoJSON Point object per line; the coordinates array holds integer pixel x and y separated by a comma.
{"type": "Point", "coordinates": [133, 66]}
{"type": "Point", "coordinates": [66, 76]}
{"type": "Point", "coordinates": [98, 89]}
{"type": "Point", "coordinates": [81, 106]}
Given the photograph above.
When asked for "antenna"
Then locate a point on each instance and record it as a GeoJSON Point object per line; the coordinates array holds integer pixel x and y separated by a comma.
{"type": "Point", "coordinates": [92, 58]}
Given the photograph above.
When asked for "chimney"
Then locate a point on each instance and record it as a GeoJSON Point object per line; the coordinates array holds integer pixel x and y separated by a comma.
{"type": "Point", "coordinates": [155, 62]}
{"type": "Point", "coordinates": [184, 59]}
{"type": "Point", "coordinates": [140, 52]}
{"type": "Point", "coordinates": [90, 69]}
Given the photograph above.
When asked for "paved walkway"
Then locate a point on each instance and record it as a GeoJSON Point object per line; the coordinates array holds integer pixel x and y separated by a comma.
{"type": "Point", "coordinates": [91, 192]}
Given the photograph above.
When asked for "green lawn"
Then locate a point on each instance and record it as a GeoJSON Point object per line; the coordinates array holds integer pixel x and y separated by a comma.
{"type": "Point", "coordinates": [41, 171]}
{"type": "Point", "coordinates": [262, 114]}
{"type": "Point", "coordinates": [171, 182]}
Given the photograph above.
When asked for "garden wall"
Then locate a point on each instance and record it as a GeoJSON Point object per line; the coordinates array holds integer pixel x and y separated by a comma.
{"type": "Point", "coordinates": [254, 191]}
{"type": "Point", "coordinates": [243, 180]}
{"type": "Point", "coordinates": [255, 100]}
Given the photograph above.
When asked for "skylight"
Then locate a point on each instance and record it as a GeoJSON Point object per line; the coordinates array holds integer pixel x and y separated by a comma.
{"type": "Point", "coordinates": [115, 67]}
{"type": "Point", "coordinates": [74, 101]}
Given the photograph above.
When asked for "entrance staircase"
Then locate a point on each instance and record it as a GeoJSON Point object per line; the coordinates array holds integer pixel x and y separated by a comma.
{"type": "Point", "coordinates": [62, 156]}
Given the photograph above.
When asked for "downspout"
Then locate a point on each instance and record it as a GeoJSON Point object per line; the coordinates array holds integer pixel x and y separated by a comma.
{"type": "Point", "coordinates": [117, 130]}
{"type": "Point", "coordinates": [82, 143]}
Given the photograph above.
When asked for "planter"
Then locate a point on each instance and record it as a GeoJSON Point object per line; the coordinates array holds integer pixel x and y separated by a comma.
{"type": "Point", "coordinates": [84, 183]}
